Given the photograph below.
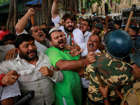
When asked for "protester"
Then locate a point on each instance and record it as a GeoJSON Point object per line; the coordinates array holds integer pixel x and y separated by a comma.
{"type": "Point", "coordinates": [91, 66]}
{"type": "Point", "coordinates": [68, 23]}
{"type": "Point", "coordinates": [81, 35]}
{"type": "Point", "coordinates": [3, 32]}
{"type": "Point", "coordinates": [33, 71]}
{"type": "Point", "coordinates": [38, 34]}
{"type": "Point", "coordinates": [8, 42]}
{"type": "Point", "coordinates": [68, 92]}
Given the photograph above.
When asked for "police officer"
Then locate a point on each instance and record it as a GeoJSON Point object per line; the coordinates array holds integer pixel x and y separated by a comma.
{"type": "Point", "coordinates": [109, 70]}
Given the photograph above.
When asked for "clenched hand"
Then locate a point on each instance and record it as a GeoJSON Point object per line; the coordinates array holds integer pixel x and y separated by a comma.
{"type": "Point", "coordinates": [45, 71]}
{"type": "Point", "coordinates": [10, 78]}
{"type": "Point", "coordinates": [91, 57]}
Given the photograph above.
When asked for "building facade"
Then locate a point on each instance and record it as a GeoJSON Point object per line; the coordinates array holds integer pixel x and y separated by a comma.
{"type": "Point", "coordinates": [115, 7]}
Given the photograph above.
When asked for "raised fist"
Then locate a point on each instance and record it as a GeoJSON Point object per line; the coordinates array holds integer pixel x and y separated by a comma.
{"type": "Point", "coordinates": [31, 12]}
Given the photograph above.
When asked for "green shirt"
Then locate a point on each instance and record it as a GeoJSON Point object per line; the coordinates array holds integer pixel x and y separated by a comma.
{"type": "Point", "coordinates": [70, 86]}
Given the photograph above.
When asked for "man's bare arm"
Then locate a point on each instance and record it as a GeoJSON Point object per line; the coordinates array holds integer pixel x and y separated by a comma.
{"type": "Point", "coordinates": [54, 11]}
{"type": "Point", "coordinates": [76, 64]}
{"type": "Point", "coordinates": [23, 21]}
{"type": "Point", "coordinates": [70, 65]}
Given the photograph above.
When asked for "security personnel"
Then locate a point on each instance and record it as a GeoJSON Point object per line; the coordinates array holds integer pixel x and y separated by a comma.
{"type": "Point", "coordinates": [109, 70]}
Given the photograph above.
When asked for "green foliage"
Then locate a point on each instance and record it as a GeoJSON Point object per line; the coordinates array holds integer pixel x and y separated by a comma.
{"type": "Point", "coordinates": [3, 1]}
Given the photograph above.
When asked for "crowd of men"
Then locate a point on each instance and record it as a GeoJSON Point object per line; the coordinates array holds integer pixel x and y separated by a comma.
{"type": "Point", "coordinates": [77, 62]}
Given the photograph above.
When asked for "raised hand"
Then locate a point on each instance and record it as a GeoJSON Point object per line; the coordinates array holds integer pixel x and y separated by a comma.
{"type": "Point", "coordinates": [31, 12]}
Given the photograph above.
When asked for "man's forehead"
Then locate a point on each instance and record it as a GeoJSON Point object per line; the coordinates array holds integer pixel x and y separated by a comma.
{"type": "Point", "coordinates": [56, 33]}
{"type": "Point", "coordinates": [94, 37]}
{"type": "Point", "coordinates": [68, 19]}
{"type": "Point", "coordinates": [27, 42]}
{"type": "Point", "coordinates": [84, 22]}
{"type": "Point", "coordinates": [35, 28]}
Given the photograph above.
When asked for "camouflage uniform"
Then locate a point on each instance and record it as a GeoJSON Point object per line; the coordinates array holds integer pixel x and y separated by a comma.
{"type": "Point", "coordinates": [113, 72]}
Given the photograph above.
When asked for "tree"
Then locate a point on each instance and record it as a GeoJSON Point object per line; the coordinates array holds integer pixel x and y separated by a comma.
{"type": "Point", "coordinates": [99, 5]}
{"type": "Point", "coordinates": [46, 11]}
{"type": "Point", "coordinates": [70, 5]}
{"type": "Point", "coordinates": [12, 16]}
{"type": "Point", "coordinates": [116, 2]}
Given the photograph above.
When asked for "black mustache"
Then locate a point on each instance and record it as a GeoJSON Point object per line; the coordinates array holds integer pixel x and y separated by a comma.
{"type": "Point", "coordinates": [61, 41]}
{"type": "Point", "coordinates": [92, 45]}
{"type": "Point", "coordinates": [33, 51]}
{"type": "Point", "coordinates": [70, 26]}
{"type": "Point", "coordinates": [40, 35]}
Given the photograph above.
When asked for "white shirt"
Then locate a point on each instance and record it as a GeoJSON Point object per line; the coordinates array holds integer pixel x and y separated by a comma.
{"type": "Point", "coordinates": [81, 40]}
{"type": "Point", "coordinates": [40, 47]}
{"type": "Point", "coordinates": [31, 79]}
{"type": "Point", "coordinates": [56, 21]}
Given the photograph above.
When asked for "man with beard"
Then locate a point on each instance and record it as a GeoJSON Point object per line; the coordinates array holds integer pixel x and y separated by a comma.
{"type": "Point", "coordinates": [68, 23]}
{"type": "Point", "coordinates": [32, 70]}
{"type": "Point", "coordinates": [68, 92]}
{"type": "Point", "coordinates": [68, 27]}
{"type": "Point", "coordinates": [40, 38]}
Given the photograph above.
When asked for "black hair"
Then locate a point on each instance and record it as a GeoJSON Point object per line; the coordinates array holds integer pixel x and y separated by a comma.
{"type": "Point", "coordinates": [23, 37]}
{"type": "Point", "coordinates": [118, 22]}
{"type": "Point", "coordinates": [111, 26]}
{"type": "Point", "coordinates": [87, 20]}
{"type": "Point", "coordinates": [9, 36]}
{"type": "Point", "coordinates": [68, 16]}
{"type": "Point", "coordinates": [99, 26]}
{"type": "Point", "coordinates": [135, 28]}
{"type": "Point", "coordinates": [48, 36]}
